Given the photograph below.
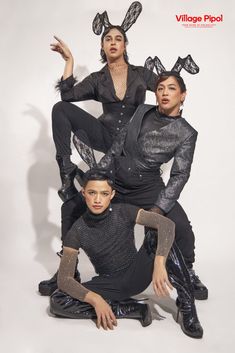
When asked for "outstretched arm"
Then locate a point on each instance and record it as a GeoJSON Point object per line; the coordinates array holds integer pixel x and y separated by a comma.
{"type": "Point", "coordinates": [68, 284]}
{"type": "Point", "coordinates": [70, 92]}
{"type": "Point", "coordinates": [60, 47]}
{"type": "Point", "coordinates": [166, 235]}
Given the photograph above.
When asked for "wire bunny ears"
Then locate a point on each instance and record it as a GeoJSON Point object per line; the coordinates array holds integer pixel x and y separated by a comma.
{"type": "Point", "coordinates": [186, 63]}
{"type": "Point", "coordinates": [101, 21]}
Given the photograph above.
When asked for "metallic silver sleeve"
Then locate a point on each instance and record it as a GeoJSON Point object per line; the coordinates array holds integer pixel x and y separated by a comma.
{"type": "Point", "coordinates": [165, 227]}
{"type": "Point", "coordinates": [65, 279]}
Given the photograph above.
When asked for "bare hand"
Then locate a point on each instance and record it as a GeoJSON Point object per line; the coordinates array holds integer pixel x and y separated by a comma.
{"type": "Point", "coordinates": [61, 48]}
{"type": "Point", "coordinates": [105, 315]}
{"type": "Point", "coordinates": [161, 282]}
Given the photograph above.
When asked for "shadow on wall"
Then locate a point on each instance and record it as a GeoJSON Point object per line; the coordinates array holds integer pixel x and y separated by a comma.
{"type": "Point", "coordinates": [43, 175]}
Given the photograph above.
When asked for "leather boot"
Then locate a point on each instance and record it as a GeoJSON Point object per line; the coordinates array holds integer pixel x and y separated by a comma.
{"type": "Point", "coordinates": [47, 287]}
{"type": "Point", "coordinates": [68, 189]}
{"type": "Point", "coordinates": [63, 305]}
{"type": "Point", "coordinates": [132, 309]}
{"type": "Point", "coordinates": [181, 280]}
{"type": "Point", "coordinates": [199, 289]}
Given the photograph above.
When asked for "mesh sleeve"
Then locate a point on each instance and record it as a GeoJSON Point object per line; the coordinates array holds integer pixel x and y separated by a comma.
{"type": "Point", "coordinates": [165, 227]}
{"type": "Point", "coordinates": [65, 279]}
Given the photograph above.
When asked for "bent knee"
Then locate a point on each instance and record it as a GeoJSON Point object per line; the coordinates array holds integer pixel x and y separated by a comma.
{"type": "Point", "coordinates": [58, 107]}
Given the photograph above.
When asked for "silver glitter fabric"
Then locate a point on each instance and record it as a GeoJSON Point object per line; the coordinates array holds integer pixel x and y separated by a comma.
{"type": "Point", "coordinates": [164, 226]}
{"type": "Point", "coordinates": [65, 279]}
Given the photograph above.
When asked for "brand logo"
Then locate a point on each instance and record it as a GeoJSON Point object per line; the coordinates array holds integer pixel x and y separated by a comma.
{"type": "Point", "coordinates": [199, 21]}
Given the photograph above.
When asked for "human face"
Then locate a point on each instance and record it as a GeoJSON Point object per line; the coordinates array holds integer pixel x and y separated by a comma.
{"type": "Point", "coordinates": [98, 195]}
{"type": "Point", "coordinates": [169, 96]}
{"type": "Point", "coordinates": [114, 45]}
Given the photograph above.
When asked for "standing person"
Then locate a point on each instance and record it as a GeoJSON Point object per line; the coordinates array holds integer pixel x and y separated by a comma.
{"type": "Point", "coordinates": [119, 86]}
{"type": "Point", "coordinates": [154, 136]}
{"type": "Point", "coordinates": [106, 233]}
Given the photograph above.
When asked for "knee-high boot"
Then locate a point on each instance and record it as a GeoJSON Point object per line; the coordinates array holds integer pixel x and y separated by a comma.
{"type": "Point", "coordinates": [63, 305]}
{"type": "Point", "coordinates": [180, 279]}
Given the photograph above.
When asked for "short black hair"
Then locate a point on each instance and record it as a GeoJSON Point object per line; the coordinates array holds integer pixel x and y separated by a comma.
{"type": "Point", "coordinates": [97, 174]}
{"type": "Point", "coordinates": [166, 74]}
{"type": "Point", "coordinates": [106, 31]}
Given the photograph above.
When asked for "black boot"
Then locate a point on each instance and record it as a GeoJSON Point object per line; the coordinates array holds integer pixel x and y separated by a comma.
{"type": "Point", "coordinates": [181, 280]}
{"type": "Point", "coordinates": [68, 172]}
{"type": "Point", "coordinates": [63, 305]}
{"type": "Point", "coordinates": [132, 309]}
{"type": "Point", "coordinates": [47, 287]}
{"type": "Point", "coordinates": [199, 289]}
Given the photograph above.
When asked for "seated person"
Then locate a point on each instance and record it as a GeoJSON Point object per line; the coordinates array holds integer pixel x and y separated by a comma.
{"type": "Point", "coordinates": [106, 233]}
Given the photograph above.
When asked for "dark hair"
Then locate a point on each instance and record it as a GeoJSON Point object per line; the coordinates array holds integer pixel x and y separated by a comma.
{"type": "Point", "coordinates": [106, 31]}
{"type": "Point", "coordinates": [165, 75]}
{"type": "Point", "coordinates": [97, 174]}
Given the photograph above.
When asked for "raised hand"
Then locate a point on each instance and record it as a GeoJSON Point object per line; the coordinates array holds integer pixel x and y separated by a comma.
{"type": "Point", "coordinates": [61, 48]}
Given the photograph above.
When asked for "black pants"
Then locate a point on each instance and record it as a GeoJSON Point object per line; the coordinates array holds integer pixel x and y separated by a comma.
{"type": "Point", "coordinates": [184, 236]}
{"type": "Point", "coordinates": [131, 281]}
{"type": "Point", "coordinates": [128, 282]}
{"type": "Point", "coordinates": [67, 118]}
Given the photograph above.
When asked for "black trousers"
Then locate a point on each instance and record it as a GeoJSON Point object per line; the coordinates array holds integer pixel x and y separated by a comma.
{"type": "Point", "coordinates": [131, 281]}
{"type": "Point", "coordinates": [67, 118]}
{"type": "Point", "coordinates": [184, 236]}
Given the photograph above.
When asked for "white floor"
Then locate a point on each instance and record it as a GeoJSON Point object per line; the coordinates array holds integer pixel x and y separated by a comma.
{"type": "Point", "coordinates": [26, 325]}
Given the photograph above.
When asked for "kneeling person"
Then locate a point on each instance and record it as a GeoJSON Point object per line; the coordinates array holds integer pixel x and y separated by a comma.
{"type": "Point", "coordinates": [106, 233]}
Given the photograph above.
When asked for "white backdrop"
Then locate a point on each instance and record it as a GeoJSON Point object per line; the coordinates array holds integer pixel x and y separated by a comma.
{"type": "Point", "coordinates": [30, 207]}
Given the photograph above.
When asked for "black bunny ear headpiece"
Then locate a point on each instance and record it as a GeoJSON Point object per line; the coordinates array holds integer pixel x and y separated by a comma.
{"type": "Point", "coordinates": [186, 63]}
{"type": "Point", "coordinates": [105, 168]}
{"type": "Point", "coordinates": [101, 21]}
